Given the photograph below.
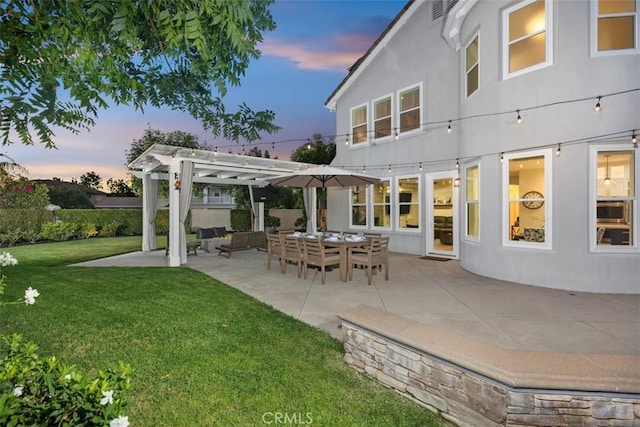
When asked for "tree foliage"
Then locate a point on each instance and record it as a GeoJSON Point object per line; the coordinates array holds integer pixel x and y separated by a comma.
{"type": "Point", "coordinates": [69, 198]}
{"type": "Point", "coordinates": [318, 150]}
{"type": "Point", "coordinates": [63, 60]}
{"type": "Point", "coordinates": [91, 179]}
{"type": "Point", "coordinates": [119, 188]}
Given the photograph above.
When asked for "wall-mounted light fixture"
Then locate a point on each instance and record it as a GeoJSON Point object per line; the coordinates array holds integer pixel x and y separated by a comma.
{"type": "Point", "coordinates": [177, 184]}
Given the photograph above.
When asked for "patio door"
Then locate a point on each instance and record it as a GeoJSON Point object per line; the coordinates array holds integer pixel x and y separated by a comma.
{"type": "Point", "coordinates": [442, 209]}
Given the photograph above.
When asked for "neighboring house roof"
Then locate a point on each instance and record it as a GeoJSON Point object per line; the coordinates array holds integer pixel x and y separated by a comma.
{"type": "Point", "coordinates": [118, 203]}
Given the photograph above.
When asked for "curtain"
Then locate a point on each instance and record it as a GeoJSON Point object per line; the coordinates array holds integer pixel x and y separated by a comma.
{"type": "Point", "coordinates": [150, 188]}
{"type": "Point", "coordinates": [254, 214]}
{"type": "Point", "coordinates": [309, 196]}
{"type": "Point", "coordinates": [186, 184]}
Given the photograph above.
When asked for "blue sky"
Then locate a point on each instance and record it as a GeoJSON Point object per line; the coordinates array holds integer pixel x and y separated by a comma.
{"type": "Point", "coordinates": [302, 62]}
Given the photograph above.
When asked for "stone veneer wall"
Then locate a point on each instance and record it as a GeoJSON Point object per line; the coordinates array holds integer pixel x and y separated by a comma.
{"type": "Point", "coordinates": [470, 399]}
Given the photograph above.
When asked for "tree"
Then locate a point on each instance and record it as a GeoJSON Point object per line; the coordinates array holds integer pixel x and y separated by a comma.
{"type": "Point", "coordinates": [69, 198]}
{"type": "Point", "coordinates": [91, 179]}
{"type": "Point", "coordinates": [318, 150]}
{"type": "Point", "coordinates": [61, 61]}
{"type": "Point", "coordinates": [119, 188]}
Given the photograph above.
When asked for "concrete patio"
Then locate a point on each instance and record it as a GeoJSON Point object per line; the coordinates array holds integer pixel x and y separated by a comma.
{"type": "Point", "coordinates": [534, 355]}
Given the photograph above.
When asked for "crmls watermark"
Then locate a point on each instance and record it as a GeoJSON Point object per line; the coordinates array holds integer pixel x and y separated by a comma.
{"type": "Point", "coordinates": [293, 418]}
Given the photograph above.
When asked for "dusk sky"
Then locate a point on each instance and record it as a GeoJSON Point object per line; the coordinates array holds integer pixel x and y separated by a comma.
{"type": "Point", "coordinates": [302, 62]}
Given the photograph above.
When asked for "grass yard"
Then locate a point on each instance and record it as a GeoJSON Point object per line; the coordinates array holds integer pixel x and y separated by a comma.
{"type": "Point", "coordinates": [203, 353]}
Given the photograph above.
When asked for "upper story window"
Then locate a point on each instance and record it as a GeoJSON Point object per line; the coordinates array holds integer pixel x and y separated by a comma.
{"type": "Point", "coordinates": [382, 204]}
{"type": "Point", "coordinates": [527, 201]}
{"type": "Point", "coordinates": [527, 37]}
{"type": "Point", "coordinates": [613, 210]}
{"type": "Point", "coordinates": [472, 202]}
{"type": "Point", "coordinates": [472, 66]}
{"type": "Point", "coordinates": [616, 26]}
{"type": "Point", "coordinates": [359, 124]}
{"type": "Point", "coordinates": [410, 111]}
{"type": "Point", "coordinates": [359, 206]}
{"type": "Point", "coordinates": [382, 117]}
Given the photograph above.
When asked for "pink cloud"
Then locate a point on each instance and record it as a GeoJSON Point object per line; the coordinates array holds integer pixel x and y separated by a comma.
{"type": "Point", "coordinates": [337, 54]}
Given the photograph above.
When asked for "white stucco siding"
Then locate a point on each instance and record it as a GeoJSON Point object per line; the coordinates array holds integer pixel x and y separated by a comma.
{"type": "Point", "coordinates": [556, 104]}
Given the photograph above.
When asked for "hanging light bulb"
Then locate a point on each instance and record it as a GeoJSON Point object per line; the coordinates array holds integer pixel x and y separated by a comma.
{"type": "Point", "coordinates": [364, 169]}
{"type": "Point", "coordinates": [420, 167]}
{"type": "Point", "coordinates": [519, 118]}
{"type": "Point", "coordinates": [457, 163]}
{"type": "Point", "coordinates": [501, 157]}
{"type": "Point", "coordinates": [273, 145]}
{"type": "Point", "coordinates": [396, 137]}
{"type": "Point", "coordinates": [346, 139]}
{"type": "Point", "coordinates": [597, 108]}
{"type": "Point", "coordinates": [389, 168]}
{"type": "Point", "coordinates": [558, 151]}
{"type": "Point", "coordinates": [193, 152]}
{"type": "Point", "coordinates": [634, 139]}
{"type": "Point", "coordinates": [308, 145]}
{"type": "Point", "coordinates": [449, 127]}
{"type": "Point", "coordinates": [607, 178]}
{"type": "Point", "coordinates": [215, 151]}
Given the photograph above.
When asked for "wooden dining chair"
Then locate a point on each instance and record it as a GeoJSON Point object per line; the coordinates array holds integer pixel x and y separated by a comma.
{"type": "Point", "coordinates": [373, 256]}
{"type": "Point", "coordinates": [275, 249]}
{"type": "Point", "coordinates": [316, 254]}
{"type": "Point", "coordinates": [292, 253]}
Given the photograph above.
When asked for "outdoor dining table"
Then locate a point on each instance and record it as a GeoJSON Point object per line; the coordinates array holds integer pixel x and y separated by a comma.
{"type": "Point", "coordinates": [343, 244]}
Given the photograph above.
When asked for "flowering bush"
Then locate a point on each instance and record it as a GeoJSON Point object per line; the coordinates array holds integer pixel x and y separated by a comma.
{"type": "Point", "coordinates": [22, 209]}
{"type": "Point", "coordinates": [45, 392]}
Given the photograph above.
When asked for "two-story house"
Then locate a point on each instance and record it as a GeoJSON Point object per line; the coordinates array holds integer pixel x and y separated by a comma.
{"type": "Point", "coordinates": [505, 135]}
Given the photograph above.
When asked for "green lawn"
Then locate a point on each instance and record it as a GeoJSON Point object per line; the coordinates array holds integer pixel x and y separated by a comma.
{"type": "Point", "coordinates": [203, 353]}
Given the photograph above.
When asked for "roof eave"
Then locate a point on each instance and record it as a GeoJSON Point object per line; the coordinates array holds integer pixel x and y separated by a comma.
{"type": "Point", "coordinates": [454, 20]}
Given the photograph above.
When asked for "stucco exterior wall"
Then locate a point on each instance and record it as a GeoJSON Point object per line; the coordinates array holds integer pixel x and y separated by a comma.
{"type": "Point", "coordinates": [416, 52]}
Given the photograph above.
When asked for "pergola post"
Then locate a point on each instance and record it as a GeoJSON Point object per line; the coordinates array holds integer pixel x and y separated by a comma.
{"type": "Point", "coordinates": [174, 215]}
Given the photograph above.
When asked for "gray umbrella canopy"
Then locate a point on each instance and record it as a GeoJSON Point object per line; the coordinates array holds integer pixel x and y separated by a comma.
{"type": "Point", "coordinates": [323, 176]}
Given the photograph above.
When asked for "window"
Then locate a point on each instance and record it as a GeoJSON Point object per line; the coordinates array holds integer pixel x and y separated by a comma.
{"type": "Point", "coordinates": [616, 26]}
{"type": "Point", "coordinates": [408, 197]}
{"type": "Point", "coordinates": [382, 118]}
{"type": "Point", "coordinates": [359, 206]}
{"type": "Point", "coordinates": [527, 208]}
{"type": "Point", "coordinates": [382, 204]}
{"type": "Point", "coordinates": [410, 113]}
{"type": "Point", "coordinates": [471, 66]}
{"type": "Point", "coordinates": [614, 207]}
{"type": "Point", "coordinates": [527, 37]}
{"type": "Point", "coordinates": [472, 201]}
{"type": "Point", "coordinates": [359, 124]}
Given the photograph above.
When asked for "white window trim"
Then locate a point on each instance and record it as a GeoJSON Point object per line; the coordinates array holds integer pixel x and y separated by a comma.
{"type": "Point", "coordinates": [391, 210]}
{"type": "Point", "coordinates": [593, 197]}
{"type": "Point", "coordinates": [593, 30]}
{"type": "Point", "coordinates": [395, 203]}
{"type": "Point", "coordinates": [548, 200]}
{"type": "Point", "coordinates": [464, 66]}
{"type": "Point", "coordinates": [368, 140]}
{"type": "Point", "coordinates": [367, 192]}
{"type": "Point", "coordinates": [373, 119]}
{"type": "Point", "coordinates": [398, 112]}
{"type": "Point", "coordinates": [463, 178]}
{"type": "Point", "coordinates": [548, 9]}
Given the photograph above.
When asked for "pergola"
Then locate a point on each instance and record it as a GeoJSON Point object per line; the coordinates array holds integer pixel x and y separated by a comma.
{"type": "Point", "coordinates": [184, 166]}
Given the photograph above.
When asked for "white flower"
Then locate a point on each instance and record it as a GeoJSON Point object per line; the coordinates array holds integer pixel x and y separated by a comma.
{"type": "Point", "coordinates": [67, 377]}
{"type": "Point", "coordinates": [17, 391]}
{"type": "Point", "coordinates": [120, 422]}
{"type": "Point", "coordinates": [107, 397]}
{"type": "Point", "coordinates": [30, 296]}
{"type": "Point", "coordinates": [6, 259]}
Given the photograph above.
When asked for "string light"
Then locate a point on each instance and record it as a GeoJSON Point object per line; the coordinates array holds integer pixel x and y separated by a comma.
{"type": "Point", "coordinates": [501, 157]}
{"type": "Point", "coordinates": [389, 168]}
{"type": "Point", "coordinates": [193, 152]}
{"type": "Point", "coordinates": [308, 145]}
{"type": "Point", "coordinates": [519, 118]}
{"type": "Point", "coordinates": [346, 139]}
{"type": "Point", "coordinates": [420, 167]}
{"type": "Point", "coordinates": [597, 108]}
{"type": "Point", "coordinates": [457, 163]}
{"type": "Point", "coordinates": [449, 127]}
{"type": "Point", "coordinates": [396, 137]}
{"type": "Point", "coordinates": [634, 138]}
{"type": "Point", "coordinates": [558, 151]}
{"type": "Point", "coordinates": [273, 145]}
{"type": "Point", "coordinates": [364, 169]}
{"type": "Point", "coordinates": [215, 151]}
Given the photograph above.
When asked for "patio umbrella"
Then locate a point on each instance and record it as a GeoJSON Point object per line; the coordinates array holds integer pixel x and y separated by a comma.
{"type": "Point", "coordinates": [323, 176]}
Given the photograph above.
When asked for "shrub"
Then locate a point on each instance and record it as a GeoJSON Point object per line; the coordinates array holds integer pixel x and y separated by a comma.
{"type": "Point", "coordinates": [59, 231]}
{"type": "Point", "coordinates": [110, 230]}
{"type": "Point", "coordinates": [241, 220]}
{"type": "Point", "coordinates": [271, 221]}
{"type": "Point", "coordinates": [44, 391]}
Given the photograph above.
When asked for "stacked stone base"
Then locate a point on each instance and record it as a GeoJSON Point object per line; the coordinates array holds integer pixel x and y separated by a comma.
{"type": "Point", "coordinates": [470, 399]}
